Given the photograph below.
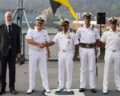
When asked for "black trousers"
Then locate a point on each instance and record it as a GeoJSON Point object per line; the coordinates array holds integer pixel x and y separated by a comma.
{"type": "Point", "coordinates": [10, 61]}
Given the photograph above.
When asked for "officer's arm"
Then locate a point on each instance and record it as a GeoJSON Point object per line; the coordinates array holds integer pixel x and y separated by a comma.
{"type": "Point", "coordinates": [32, 42]}
{"type": "Point", "coordinates": [77, 49]}
{"type": "Point", "coordinates": [76, 52]}
{"type": "Point", "coordinates": [97, 43]}
{"type": "Point", "coordinates": [102, 44]}
{"type": "Point", "coordinates": [103, 40]}
{"type": "Point", "coordinates": [50, 43]}
{"type": "Point", "coordinates": [97, 49]}
{"type": "Point", "coordinates": [76, 43]}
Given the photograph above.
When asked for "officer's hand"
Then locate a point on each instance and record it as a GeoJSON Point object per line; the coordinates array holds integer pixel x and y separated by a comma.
{"type": "Point", "coordinates": [75, 57]}
{"type": "Point", "coordinates": [17, 60]}
{"type": "Point", "coordinates": [42, 45]}
{"type": "Point", "coordinates": [46, 44]}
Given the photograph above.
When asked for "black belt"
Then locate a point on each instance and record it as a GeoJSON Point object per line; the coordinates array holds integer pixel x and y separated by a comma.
{"type": "Point", "coordinates": [86, 45]}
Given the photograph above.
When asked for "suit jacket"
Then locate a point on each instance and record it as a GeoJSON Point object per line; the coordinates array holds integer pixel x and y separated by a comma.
{"type": "Point", "coordinates": [4, 40]}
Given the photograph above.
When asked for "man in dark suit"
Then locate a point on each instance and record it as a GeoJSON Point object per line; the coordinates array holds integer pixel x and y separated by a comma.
{"type": "Point", "coordinates": [10, 48]}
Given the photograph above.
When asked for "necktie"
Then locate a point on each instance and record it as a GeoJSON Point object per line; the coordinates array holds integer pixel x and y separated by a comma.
{"type": "Point", "coordinates": [9, 29]}
{"type": "Point", "coordinates": [9, 32]}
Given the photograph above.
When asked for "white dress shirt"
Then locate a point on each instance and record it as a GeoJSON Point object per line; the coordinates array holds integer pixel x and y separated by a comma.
{"type": "Point", "coordinates": [88, 35]}
{"type": "Point", "coordinates": [111, 39]}
{"type": "Point", "coordinates": [38, 36]}
{"type": "Point", "coordinates": [66, 41]}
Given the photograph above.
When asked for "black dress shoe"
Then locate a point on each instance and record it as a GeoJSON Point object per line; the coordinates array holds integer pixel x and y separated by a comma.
{"type": "Point", "coordinates": [82, 90]}
{"type": "Point", "coordinates": [93, 90]}
{"type": "Point", "coordinates": [70, 92]}
{"type": "Point", "coordinates": [2, 92]}
{"type": "Point", "coordinates": [13, 91]}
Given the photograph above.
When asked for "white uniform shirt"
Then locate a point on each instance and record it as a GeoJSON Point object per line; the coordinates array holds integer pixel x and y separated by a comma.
{"type": "Point", "coordinates": [38, 36]}
{"type": "Point", "coordinates": [66, 41]}
{"type": "Point", "coordinates": [111, 39]}
{"type": "Point", "coordinates": [88, 35]}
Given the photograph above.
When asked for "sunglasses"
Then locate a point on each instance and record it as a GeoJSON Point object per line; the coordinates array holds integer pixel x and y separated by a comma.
{"type": "Point", "coordinates": [39, 23]}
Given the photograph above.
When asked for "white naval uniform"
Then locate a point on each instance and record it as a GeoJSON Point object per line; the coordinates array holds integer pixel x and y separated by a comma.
{"type": "Point", "coordinates": [87, 55]}
{"type": "Point", "coordinates": [112, 56]}
{"type": "Point", "coordinates": [65, 56]}
{"type": "Point", "coordinates": [37, 56]}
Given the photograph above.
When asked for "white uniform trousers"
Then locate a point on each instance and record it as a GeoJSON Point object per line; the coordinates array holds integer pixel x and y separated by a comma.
{"type": "Point", "coordinates": [111, 58]}
{"type": "Point", "coordinates": [87, 60]}
{"type": "Point", "coordinates": [65, 59]}
{"type": "Point", "coordinates": [38, 58]}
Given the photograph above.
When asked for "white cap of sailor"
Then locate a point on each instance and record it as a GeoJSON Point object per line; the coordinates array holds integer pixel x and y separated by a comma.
{"type": "Point", "coordinates": [65, 21]}
{"type": "Point", "coordinates": [40, 18]}
{"type": "Point", "coordinates": [87, 15]}
{"type": "Point", "coordinates": [113, 20]}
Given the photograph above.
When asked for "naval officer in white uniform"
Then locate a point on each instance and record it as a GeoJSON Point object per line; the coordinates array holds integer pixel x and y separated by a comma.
{"type": "Point", "coordinates": [67, 43]}
{"type": "Point", "coordinates": [89, 37]}
{"type": "Point", "coordinates": [36, 38]}
{"type": "Point", "coordinates": [111, 39]}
